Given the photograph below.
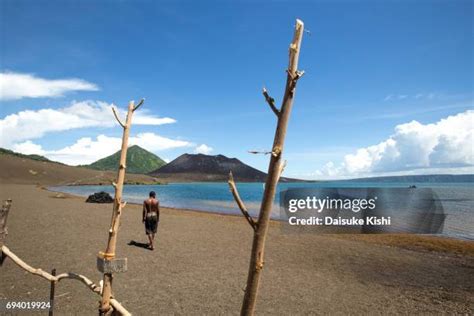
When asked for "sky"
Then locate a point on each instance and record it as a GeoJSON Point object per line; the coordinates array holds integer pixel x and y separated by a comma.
{"type": "Point", "coordinates": [387, 90]}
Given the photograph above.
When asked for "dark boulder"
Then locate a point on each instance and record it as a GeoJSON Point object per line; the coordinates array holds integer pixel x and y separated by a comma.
{"type": "Point", "coordinates": [100, 197]}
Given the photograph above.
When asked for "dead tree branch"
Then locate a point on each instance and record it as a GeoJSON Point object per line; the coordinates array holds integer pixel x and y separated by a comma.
{"type": "Point", "coordinates": [138, 105]}
{"type": "Point", "coordinates": [69, 275]}
{"type": "Point", "coordinates": [255, 152]}
{"type": "Point", "coordinates": [271, 102]}
{"type": "Point", "coordinates": [117, 118]}
{"type": "Point", "coordinates": [294, 79]}
{"type": "Point", "coordinates": [240, 203]}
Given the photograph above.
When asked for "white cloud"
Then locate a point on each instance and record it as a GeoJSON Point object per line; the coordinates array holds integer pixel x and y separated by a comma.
{"type": "Point", "coordinates": [28, 124]}
{"type": "Point", "coordinates": [417, 96]}
{"type": "Point", "coordinates": [14, 86]}
{"type": "Point", "coordinates": [203, 149]}
{"type": "Point", "coordinates": [426, 148]}
{"type": "Point", "coordinates": [28, 148]}
{"type": "Point", "coordinates": [154, 142]}
{"type": "Point", "coordinates": [86, 150]}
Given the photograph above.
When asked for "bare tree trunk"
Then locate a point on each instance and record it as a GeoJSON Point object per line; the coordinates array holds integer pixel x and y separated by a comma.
{"type": "Point", "coordinates": [117, 207]}
{"type": "Point", "coordinates": [274, 172]}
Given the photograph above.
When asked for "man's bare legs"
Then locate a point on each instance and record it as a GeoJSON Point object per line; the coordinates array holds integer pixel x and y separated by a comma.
{"type": "Point", "coordinates": [151, 237]}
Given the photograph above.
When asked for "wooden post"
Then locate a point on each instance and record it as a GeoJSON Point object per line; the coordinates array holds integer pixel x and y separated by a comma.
{"type": "Point", "coordinates": [275, 169]}
{"type": "Point", "coordinates": [118, 206]}
{"type": "Point", "coordinates": [51, 294]}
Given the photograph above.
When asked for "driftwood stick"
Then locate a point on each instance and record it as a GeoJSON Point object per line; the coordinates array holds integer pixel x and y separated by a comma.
{"type": "Point", "coordinates": [117, 118]}
{"type": "Point", "coordinates": [119, 307]}
{"type": "Point", "coordinates": [117, 208]}
{"type": "Point", "coordinates": [25, 266]}
{"type": "Point", "coordinates": [239, 202]}
{"type": "Point", "coordinates": [69, 275]}
{"type": "Point", "coordinates": [271, 102]}
{"type": "Point", "coordinates": [91, 285]}
{"type": "Point", "coordinates": [274, 172]}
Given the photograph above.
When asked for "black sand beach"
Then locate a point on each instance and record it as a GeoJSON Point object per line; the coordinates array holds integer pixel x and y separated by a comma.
{"type": "Point", "coordinates": [201, 260]}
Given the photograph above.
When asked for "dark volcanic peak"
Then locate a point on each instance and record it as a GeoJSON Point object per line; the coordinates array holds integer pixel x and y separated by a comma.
{"type": "Point", "coordinates": [200, 167]}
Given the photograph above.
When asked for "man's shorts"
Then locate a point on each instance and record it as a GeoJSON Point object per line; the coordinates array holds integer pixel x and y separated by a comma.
{"type": "Point", "coordinates": [151, 224]}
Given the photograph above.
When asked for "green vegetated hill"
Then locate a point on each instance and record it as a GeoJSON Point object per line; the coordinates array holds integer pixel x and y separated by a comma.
{"type": "Point", "coordinates": [4, 151]}
{"type": "Point", "coordinates": [139, 160]}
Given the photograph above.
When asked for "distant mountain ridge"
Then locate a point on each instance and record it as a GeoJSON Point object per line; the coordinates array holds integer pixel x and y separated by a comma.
{"type": "Point", "coordinates": [429, 178]}
{"type": "Point", "coordinates": [139, 161]}
{"type": "Point", "coordinates": [16, 168]}
{"type": "Point", "coordinates": [4, 151]}
{"type": "Point", "coordinates": [200, 167]}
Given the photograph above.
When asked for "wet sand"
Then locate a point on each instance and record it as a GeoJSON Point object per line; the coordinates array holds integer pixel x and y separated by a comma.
{"type": "Point", "coordinates": [200, 264]}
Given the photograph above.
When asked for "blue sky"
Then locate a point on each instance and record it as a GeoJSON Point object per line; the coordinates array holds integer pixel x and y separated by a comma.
{"type": "Point", "coordinates": [371, 69]}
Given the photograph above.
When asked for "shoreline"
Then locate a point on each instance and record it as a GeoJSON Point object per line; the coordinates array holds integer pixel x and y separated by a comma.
{"type": "Point", "coordinates": [238, 214]}
{"type": "Point", "coordinates": [402, 184]}
{"type": "Point", "coordinates": [178, 209]}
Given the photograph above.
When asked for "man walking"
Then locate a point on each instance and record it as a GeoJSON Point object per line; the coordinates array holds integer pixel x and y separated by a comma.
{"type": "Point", "coordinates": [151, 217]}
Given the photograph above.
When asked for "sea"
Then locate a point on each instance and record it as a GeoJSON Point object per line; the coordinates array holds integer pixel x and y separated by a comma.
{"type": "Point", "coordinates": [457, 198]}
